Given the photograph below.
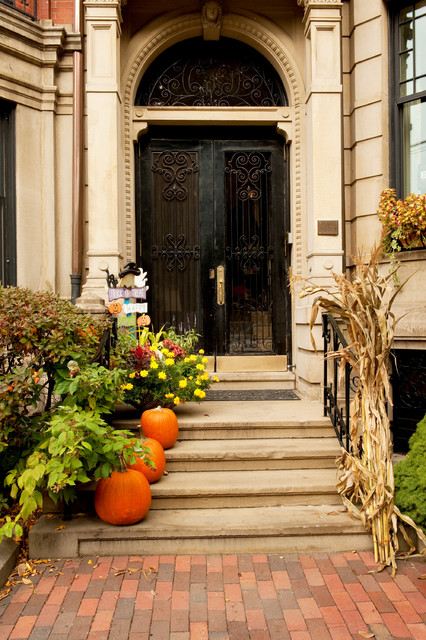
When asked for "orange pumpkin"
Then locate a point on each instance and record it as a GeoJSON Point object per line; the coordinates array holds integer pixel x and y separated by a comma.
{"type": "Point", "coordinates": [114, 308]}
{"type": "Point", "coordinates": [160, 424]}
{"type": "Point", "coordinates": [158, 457]}
{"type": "Point", "coordinates": [123, 498]}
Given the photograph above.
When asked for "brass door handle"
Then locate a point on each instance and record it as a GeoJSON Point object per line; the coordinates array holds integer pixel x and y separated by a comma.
{"type": "Point", "coordinates": [220, 285]}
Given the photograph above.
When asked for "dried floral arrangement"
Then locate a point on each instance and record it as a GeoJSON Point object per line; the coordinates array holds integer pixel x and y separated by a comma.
{"type": "Point", "coordinates": [365, 474]}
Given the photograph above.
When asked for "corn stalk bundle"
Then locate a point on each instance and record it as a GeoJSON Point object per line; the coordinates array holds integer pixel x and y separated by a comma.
{"type": "Point", "coordinates": [365, 475]}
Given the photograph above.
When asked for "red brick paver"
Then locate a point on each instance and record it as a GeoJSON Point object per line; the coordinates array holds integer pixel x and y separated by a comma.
{"type": "Point", "coordinates": [230, 597]}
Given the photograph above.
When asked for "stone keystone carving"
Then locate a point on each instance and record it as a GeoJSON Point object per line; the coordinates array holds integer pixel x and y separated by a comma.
{"type": "Point", "coordinates": [211, 19]}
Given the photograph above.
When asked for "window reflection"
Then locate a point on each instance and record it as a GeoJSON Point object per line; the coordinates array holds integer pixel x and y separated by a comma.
{"type": "Point", "coordinates": [412, 83]}
{"type": "Point", "coordinates": [414, 146]}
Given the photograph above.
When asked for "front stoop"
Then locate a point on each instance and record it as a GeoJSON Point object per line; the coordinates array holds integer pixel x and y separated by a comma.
{"type": "Point", "coordinates": [244, 477]}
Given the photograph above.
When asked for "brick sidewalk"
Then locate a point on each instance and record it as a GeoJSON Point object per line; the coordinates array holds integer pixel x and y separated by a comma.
{"type": "Point", "coordinates": [232, 597]}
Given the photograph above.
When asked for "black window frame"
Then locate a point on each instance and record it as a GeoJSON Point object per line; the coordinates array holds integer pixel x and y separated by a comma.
{"type": "Point", "coordinates": [396, 101]}
{"type": "Point", "coordinates": [7, 194]}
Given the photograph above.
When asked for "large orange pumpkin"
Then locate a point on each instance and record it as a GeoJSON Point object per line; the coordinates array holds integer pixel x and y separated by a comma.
{"type": "Point", "coordinates": [123, 498]}
{"type": "Point", "coordinates": [158, 457]}
{"type": "Point", "coordinates": [160, 424]}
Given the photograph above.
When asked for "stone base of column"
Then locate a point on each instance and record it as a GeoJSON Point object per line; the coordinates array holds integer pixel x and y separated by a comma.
{"type": "Point", "coordinates": [91, 303]}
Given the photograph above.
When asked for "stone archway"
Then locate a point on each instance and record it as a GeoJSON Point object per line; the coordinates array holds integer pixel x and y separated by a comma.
{"type": "Point", "coordinates": [147, 45]}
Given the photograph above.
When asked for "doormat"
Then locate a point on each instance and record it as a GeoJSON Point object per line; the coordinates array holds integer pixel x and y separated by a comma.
{"type": "Point", "coordinates": [244, 395]}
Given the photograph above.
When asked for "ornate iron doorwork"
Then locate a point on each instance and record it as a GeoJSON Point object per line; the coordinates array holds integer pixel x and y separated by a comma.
{"type": "Point", "coordinates": [212, 219]}
{"type": "Point", "coordinates": [196, 73]}
{"type": "Point", "coordinates": [248, 252]}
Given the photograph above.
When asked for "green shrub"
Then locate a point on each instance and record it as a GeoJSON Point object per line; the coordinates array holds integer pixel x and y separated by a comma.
{"type": "Point", "coordinates": [410, 478]}
{"type": "Point", "coordinates": [39, 335]}
{"type": "Point", "coordinates": [52, 402]}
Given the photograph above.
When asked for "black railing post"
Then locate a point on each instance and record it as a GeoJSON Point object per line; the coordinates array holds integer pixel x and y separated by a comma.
{"type": "Point", "coordinates": [326, 336]}
{"type": "Point", "coordinates": [347, 403]}
{"type": "Point", "coordinates": [338, 410]}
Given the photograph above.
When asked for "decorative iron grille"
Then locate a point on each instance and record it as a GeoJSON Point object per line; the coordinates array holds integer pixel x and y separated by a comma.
{"type": "Point", "coordinates": [175, 251]}
{"type": "Point", "coordinates": [201, 74]}
{"type": "Point", "coordinates": [247, 251]}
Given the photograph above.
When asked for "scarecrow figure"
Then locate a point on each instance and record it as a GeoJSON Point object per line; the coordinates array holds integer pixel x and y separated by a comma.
{"type": "Point", "coordinates": [128, 275]}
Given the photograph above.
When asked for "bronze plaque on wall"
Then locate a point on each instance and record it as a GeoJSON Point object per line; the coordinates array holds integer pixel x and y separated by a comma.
{"type": "Point", "coordinates": [328, 227]}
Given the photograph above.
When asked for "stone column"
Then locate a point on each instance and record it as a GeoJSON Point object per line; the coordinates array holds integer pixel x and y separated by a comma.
{"type": "Point", "coordinates": [323, 162]}
{"type": "Point", "coordinates": [103, 133]}
{"type": "Point", "coordinates": [324, 147]}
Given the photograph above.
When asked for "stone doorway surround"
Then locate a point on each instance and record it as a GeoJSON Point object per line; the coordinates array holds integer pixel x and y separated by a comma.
{"type": "Point", "coordinates": [311, 122]}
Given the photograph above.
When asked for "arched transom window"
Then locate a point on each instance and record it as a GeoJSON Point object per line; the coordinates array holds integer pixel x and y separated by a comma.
{"type": "Point", "coordinates": [195, 73]}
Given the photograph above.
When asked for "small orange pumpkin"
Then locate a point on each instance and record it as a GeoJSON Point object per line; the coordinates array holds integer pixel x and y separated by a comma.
{"type": "Point", "coordinates": [157, 456]}
{"type": "Point", "coordinates": [114, 308]}
{"type": "Point", "coordinates": [123, 498]}
{"type": "Point", "coordinates": [160, 424]}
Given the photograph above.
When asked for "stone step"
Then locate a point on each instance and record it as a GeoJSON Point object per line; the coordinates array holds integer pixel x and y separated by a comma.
{"type": "Point", "coordinates": [272, 488]}
{"type": "Point", "coordinates": [250, 454]}
{"type": "Point", "coordinates": [284, 529]}
{"type": "Point", "coordinates": [255, 380]}
{"type": "Point", "coordinates": [223, 420]}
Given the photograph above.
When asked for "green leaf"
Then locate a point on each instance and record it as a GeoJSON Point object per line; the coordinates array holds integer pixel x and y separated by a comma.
{"type": "Point", "coordinates": [28, 508]}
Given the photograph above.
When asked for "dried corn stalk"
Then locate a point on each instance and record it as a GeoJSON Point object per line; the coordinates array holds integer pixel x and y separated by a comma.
{"type": "Point", "coordinates": [366, 482]}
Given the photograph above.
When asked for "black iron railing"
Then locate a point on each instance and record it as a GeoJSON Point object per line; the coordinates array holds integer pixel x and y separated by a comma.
{"type": "Point", "coordinates": [337, 396]}
{"type": "Point", "coordinates": [27, 7]}
{"type": "Point", "coordinates": [106, 345]}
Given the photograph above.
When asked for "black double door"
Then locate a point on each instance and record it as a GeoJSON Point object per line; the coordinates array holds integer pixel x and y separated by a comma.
{"type": "Point", "coordinates": [212, 221]}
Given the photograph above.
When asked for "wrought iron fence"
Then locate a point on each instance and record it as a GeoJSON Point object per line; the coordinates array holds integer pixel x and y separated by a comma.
{"type": "Point", "coordinates": [336, 397]}
{"type": "Point", "coordinates": [27, 7]}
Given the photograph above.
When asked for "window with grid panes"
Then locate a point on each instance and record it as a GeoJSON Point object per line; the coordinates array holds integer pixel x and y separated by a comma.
{"type": "Point", "coordinates": [408, 158]}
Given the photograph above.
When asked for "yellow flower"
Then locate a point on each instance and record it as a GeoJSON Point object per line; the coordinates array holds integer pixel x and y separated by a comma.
{"type": "Point", "coordinates": [183, 383]}
{"type": "Point", "coordinates": [162, 375]}
{"type": "Point", "coordinates": [191, 377]}
{"type": "Point", "coordinates": [187, 360]}
{"type": "Point", "coordinates": [198, 382]}
{"type": "Point", "coordinates": [153, 365]}
{"type": "Point", "coordinates": [169, 362]}
{"type": "Point", "coordinates": [215, 379]}
{"type": "Point", "coordinates": [205, 360]}
{"type": "Point", "coordinates": [143, 373]}
{"type": "Point", "coordinates": [164, 352]}
{"type": "Point", "coordinates": [129, 387]}
{"type": "Point", "coordinates": [176, 400]}
{"type": "Point", "coordinates": [169, 395]}
{"type": "Point", "coordinates": [200, 367]}
{"type": "Point", "coordinates": [132, 375]}
{"type": "Point", "coordinates": [201, 351]}
{"type": "Point", "coordinates": [205, 376]}
{"type": "Point", "coordinates": [192, 358]}
{"type": "Point", "coordinates": [199, 393]}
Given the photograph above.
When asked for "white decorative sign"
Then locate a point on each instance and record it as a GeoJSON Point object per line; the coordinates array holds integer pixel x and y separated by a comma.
{"type": "Point", "coordinates": [139, 307]}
